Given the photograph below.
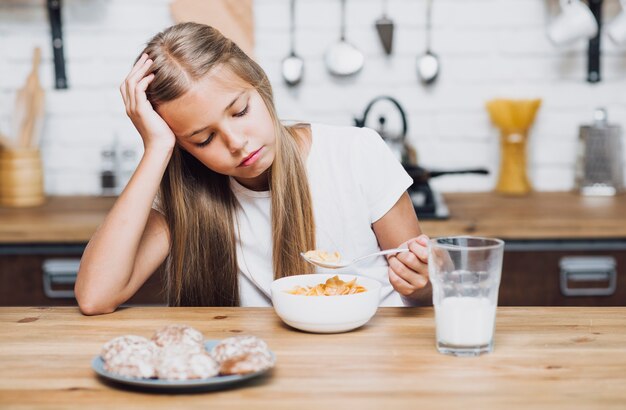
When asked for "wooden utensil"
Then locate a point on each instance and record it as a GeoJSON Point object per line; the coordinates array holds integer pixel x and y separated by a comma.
{"type": "Point", "coordinates": [6, 143]}
{"type": "Point", "coordinates": [29, 106]}
{"type": "Point", "coordinates": [21, 178]}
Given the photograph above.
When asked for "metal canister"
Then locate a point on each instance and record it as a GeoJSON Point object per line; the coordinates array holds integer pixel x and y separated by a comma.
{"type": "Point", "coordinates": [599, 167]}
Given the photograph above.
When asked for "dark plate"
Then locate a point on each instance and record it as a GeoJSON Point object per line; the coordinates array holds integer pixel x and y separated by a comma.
{"type": "Point", "coordinates": [212, 383]}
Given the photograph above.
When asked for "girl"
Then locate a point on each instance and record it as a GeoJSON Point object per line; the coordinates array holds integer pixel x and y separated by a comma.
{"type": "Point", "coordinates": [240, 195]}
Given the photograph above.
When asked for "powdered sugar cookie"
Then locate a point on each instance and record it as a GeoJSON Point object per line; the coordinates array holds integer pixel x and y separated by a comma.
{"type": "Point", "coordinates": [248, 363]}
{"type": "Point", "coordinates": [130, 356]}
{"type": "Point", "coordinates": [181, 365]}
{"type": "Point", "coordinates": [178, 335]}
{"type": "Point", "coordinates": [237, 346]}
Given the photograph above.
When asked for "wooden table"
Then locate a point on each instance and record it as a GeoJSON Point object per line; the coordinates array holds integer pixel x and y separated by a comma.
{"type": "Point", "coordinates": [561, 358]}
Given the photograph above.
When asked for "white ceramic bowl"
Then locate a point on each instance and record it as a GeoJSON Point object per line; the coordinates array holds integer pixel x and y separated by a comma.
{"type": "Point", "coordinates": [325, 314]}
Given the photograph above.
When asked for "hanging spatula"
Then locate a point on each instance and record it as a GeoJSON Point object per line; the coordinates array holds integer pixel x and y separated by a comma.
{"type": "Point", "coordinates": [385, 27]}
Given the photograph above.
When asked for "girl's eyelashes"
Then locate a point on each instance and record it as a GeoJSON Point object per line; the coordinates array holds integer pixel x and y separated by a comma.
{"type": "Point", "coordinates": [206, 141]}
{"type": "Point", "coordinates": [242, 112]}
{"type": "Point", "coordinates": [239, 114]}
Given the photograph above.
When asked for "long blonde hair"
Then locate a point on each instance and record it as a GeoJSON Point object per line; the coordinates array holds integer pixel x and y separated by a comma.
{"type": "Point", "coordinates": [198, 204]}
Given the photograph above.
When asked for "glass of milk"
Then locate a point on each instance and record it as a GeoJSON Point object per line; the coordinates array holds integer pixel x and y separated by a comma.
{"type": "Point", "coordinates": [465, 274]}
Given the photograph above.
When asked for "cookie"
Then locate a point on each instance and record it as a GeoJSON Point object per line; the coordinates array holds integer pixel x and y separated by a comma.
{"type": "Point", "coordinates": [237, 346]}
{"type": "Point", "coordinates": [184, 365]}
{"type": "Point", "coordinates": [247, 363]}
{"type": "Point", "coordinates": [179, 335]}
{"type": "Point", "coordinates": [130, 356]}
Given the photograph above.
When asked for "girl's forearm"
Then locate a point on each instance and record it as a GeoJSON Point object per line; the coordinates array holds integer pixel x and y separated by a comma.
{"type": "Point", "coordinates": [108, 261]}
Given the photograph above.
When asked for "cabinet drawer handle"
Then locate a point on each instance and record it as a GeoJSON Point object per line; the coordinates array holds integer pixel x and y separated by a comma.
{"type": "Point", "coordinates": [59, 272]}
{"type": "Point", "coordinates": [588, 269]}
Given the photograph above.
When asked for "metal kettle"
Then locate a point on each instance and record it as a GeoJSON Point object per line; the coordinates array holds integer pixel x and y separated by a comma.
{"type": "Point", "coordinates": [599, 166]}
{"type": "Point", "coordinates": [404, 152]}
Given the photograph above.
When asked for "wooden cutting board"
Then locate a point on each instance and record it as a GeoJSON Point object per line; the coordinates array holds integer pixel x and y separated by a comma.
{"type": "Point", "coordinates": [234, 18]}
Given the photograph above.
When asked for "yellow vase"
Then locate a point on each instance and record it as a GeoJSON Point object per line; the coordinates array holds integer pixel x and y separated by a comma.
{"type": "Point", "coordinates": [513, 178]}
{"type": "Point", "coordinates": [514, 118]}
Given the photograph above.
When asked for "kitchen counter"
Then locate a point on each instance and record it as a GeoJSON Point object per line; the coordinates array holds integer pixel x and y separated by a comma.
{"type": "Point", "coordinates": [541, 215]}
{"type": "Point", "coordinates": [562, 358]}
{"type": "Point", "coordinates": [62, 219]}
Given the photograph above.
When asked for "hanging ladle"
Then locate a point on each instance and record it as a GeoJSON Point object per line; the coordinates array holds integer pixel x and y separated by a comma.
{"type": "Point", "coordinates": [428, 65]}
{"type": "Point", "coordinates": [342, 58]}
{"type": "Point", "coordinates": [293, 65]}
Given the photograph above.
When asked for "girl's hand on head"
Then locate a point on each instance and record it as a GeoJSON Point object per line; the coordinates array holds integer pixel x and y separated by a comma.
{"type": "Point", "coordinates": [408, 271]}
{"type": "Point", "coordinates": [153, 129]}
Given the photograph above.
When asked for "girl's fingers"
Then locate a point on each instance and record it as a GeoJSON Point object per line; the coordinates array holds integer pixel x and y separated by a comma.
{"type": "Point", "coordinates": [405, 283]}
{"type": "Point", "coordinates": [124, 87]}
{"type": "Point", "coordinates": [408, 271]}
{"type": "Point", "coordinates": [140, 72]}
{"type": "Point", "coordinates": [140, 89]}
{"type": "Point", "coordinates": [143, 84]}
{"type": "Point", "coordinates": [137, 65]}
{"type": "Point", "coordinates": [423, 240]}
{"type": "Point", "coordinates": [416, 258]}
{"type": "Point", "coordinates": [123, 91]}
{"type": "Point", "coordinates": [400, 285]}
{"type": "Point", "coordinates": [404, 279]}
{"type": "Point", "coordinates": [133, 79]}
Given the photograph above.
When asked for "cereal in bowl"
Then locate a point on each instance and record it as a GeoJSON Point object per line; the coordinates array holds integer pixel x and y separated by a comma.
{"type": "Point", "coordinates": [332, 287]}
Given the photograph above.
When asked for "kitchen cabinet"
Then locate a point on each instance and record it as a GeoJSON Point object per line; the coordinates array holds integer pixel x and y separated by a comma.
{"type": "Point", "coordinates": [40, 249]}
{"type": "Point", "coordinates": [44, 275]}
{"type": "Point", "coordinates": [542, 231]}
{"type": "Point", "coordinates": [564, 273]}
{"type": "Point", "coordinates": [561, 249]}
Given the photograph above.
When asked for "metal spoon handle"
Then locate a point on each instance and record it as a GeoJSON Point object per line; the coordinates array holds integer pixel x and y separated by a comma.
{"type": "Point", "coordinates": [292, 27]}
{"type": "Point", "coordinates": [385, 252]}
{"type": "Point", "coordinates": [343, 20]}
{"type": "Point", "coordinates": [429, 10]}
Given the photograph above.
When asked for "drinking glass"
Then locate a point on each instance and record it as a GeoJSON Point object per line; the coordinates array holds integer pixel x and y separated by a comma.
{"type": "Point", "coordinates": [465, 273]}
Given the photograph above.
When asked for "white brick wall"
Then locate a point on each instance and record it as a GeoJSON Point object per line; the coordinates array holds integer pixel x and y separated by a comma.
{"type": "Point", "coordinates": [488, 49]}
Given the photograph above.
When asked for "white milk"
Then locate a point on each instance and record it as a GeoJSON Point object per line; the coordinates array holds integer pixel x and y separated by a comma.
{"type": "Point", "coordinates": [465, 321]}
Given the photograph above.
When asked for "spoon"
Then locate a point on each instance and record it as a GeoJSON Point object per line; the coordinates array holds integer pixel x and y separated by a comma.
{"type": "Point", "coordinates": [342, 58]}
{"type": "Point", "coordinates": [428, 63]}
{"type": "Point", "coordinates": [338, 265]}
{"type": "Point", "coordinates": [293, 65]}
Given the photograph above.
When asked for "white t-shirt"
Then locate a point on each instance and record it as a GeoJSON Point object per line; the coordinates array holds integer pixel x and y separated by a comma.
{"type": "Point", "coordinates": [354, 180]}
